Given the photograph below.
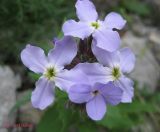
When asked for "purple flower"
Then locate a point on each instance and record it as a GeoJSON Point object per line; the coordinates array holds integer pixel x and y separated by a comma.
{"type": "Point", "coordinates": [52, 70]}
{"type": "Point", "coordinates": [102, 31]}
{"type": "Point", "coordinates": [96, 97]}
{"type": "Point", "coordinates": [112, 68]}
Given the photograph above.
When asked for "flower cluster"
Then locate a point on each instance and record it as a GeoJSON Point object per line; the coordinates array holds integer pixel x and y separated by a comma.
{"type": "Point", "coordinates": [90, 70]}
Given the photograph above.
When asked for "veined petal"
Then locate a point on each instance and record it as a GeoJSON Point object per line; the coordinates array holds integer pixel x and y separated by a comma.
{"type": "Point", "coordinates": [63, 53]}
{"type": "Point", "coordinates": [77, 29]}
{"type": "Point", "coordinates": [65, 79]}
{"type": "Point", "coordinates": [107, 39]}
{"type": "Point", "coordinates": [110, 92]}
{"type": "Point", "coordinates": [34, 58]}
{"type": "Point", "coordinates": [96, 108]}
{"type": "Point", "coordinates": [127, 86]}
{"type": "Point", "coordinates": [110, 59]}
{"type": "Point", "coordinates": [127, 60]}
{"type": "Point", "coordinates": [95, 71]}
{"type": "Point", "coordinates": [80, 93]}
{"type": "Point", "coordinates": [43, 95]}
{"type": "Point", "coordinates": [114, 20]}
{"type": "Point", "coordinates": [86, 10]}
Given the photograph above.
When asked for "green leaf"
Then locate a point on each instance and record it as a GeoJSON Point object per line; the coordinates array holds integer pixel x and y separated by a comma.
{"type": "Point", "coordinates": [114, 119]}
{"type": "Point", "coordinates": [34, 77]}
{"type": "Point", "coordinates": [60, 94]}
{"type": "Point", "coordinates": [137, 107]}
{"type": "Point", "coordinates": [61, 117]}
{"type": "Point", "coordinates": [57, 118]}
{"type": "Point", "coordinates": [156, 97]}
{"type": "Point", "coordinates": [136, 6]}
{"type": "Point", "coordinates": [88, 127]}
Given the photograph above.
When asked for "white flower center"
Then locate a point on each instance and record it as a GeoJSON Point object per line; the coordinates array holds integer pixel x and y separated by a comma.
{"type": "Point", "coordinates": [116, 73]}
{"type": "Point", "coordinates": [50, 73]}
{"type": "Point", "coordinates": [95, 25]}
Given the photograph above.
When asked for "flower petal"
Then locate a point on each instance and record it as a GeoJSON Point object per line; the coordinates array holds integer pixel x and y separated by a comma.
{"type": "Point", "coordinates": [80, 93]}
{"type": "Point", "coordinates": [110, 92]}
{"type": "Point", "coordinates": [114, 20]}
{"type": "Point", "coordinates": [34, 58]}
{"type": "Point", "coordinates": [128, 91]}
{"type": "Point", "coordinates": [127, 59]}
{"type": "Point", "coordinates": [86, 10]}
{"type": "Point", "coordinates": [77, 29]}
{"type": "Point", "coordinates": [43, 95]}
{"type": "Point", "coordinates": [63, 53]}
{"type": "Point", "coordinates": [65, 79]}
{"type": "Point", "coordinates": [106, 58]}
{"type": "Point", "coordinates": [96, 108]}
{"type": "Point", "coordinates": [95, 71]}
{"type": "Point", "coordinates": [107, 39]}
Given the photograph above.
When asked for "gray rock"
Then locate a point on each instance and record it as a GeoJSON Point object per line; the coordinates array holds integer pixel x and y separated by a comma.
{"type": "Point", "coordinates": [147, 70]}
{"type": "Point", "coordinates": [8, 84]}
{"type": "Point", "coordinates": [147, 126]}
{"type": "Point", "coordinates": [156, 2]}
{"type": "Point", "coordinates": [148, 32]}
{"type": "Point", "coordinates": [154, 38]}
{"type": "Point", "coordinates": [26, 112]}
{"type": "Point", "coordinates": [140, 29]}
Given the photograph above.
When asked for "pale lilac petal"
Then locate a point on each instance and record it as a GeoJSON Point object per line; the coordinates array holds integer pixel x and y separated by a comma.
{"type": "Point", "coordinates": [34, 58]}
{"type": "Point", "coordinates": [77, 29]}
{"type": "Point", "coordinates": [110, 92]}
{"type": "Point", "coordinates": [80, 93]}
{"type": "Point", "coordinates": [128, 91]}
{"type": "Point", "coordinates": [114, 20]}
{"type": "Point", "coordinates": [107, 39]}
{"type": "Point", "coordinates": [43, 95]}
{"type": "Point", "coordinates": [95, 71]}
{"type": "Point", "coordinates": [63, 53]}
{"type": "Point", "coordinates": [96, 108]}
{"type": "Point", "coordinates": [86, 10]}
{"type": "Point", "coordinates": [65, 79]}
{"type": "Point", "coordinates": [106, 58]}
{"type": "Point", "coordinates": [127, 59]}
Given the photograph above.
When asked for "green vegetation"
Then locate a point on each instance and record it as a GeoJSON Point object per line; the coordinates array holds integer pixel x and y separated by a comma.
{"type": "Point", "coordinates": [64, 116]}
{"type": "Point", "coordinates": [30, 21]}
{"type": "Point", "coordinates": [38, 21]}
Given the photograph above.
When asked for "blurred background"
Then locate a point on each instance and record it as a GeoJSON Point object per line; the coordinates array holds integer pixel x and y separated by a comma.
{"type": "Point", "coordinates": [38, 22]}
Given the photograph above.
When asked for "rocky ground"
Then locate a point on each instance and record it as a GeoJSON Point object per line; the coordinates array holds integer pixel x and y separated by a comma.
{"type": "Point", "coordinates": [144, 40]}
{"type": "Point", "coordinates": [9, 82]}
